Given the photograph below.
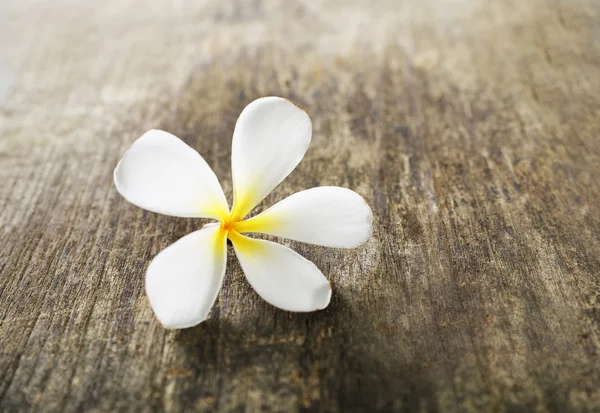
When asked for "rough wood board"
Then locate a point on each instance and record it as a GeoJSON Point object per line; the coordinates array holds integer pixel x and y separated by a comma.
{"type": "Point", "coordinates": [471, 127]}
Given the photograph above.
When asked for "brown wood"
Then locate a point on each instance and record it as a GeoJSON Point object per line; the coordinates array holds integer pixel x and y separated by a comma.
{"type": "Point", "coordinates": [471, 128]}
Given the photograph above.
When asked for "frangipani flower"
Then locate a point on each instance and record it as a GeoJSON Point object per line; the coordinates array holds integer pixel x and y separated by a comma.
{"type": "Point", "coordinates": [160, 173]}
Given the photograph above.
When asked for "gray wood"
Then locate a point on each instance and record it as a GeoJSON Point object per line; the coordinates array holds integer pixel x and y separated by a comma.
{"type": "Point", "coordinates": [470, 127]}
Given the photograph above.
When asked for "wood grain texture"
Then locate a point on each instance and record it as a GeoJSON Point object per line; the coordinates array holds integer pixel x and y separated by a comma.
{"type": "Point", "coordinates": [470, 127]}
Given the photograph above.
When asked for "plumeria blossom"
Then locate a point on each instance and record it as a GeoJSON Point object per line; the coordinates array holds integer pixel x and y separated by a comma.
{"type": "Point", "coordinates": [162, 174]}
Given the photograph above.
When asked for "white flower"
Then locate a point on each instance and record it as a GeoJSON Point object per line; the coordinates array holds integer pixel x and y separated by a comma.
{"type": "Point", "coordinates": [162, 174]}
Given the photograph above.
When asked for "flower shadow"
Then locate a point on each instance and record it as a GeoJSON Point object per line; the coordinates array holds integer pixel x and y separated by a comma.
{"type": "Point", "coordinates": [340, 358]}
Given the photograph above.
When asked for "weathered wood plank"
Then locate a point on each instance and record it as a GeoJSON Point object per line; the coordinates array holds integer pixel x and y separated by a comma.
{"type": "Point", "coordinates": [471, 127]}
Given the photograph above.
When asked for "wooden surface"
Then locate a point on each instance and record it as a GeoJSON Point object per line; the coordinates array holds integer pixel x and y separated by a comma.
{"type": "Point", "coordinates": [471, 128]}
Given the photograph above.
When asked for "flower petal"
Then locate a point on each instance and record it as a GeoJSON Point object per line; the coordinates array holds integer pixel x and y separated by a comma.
{"type": "Point", "coordinates": [328, 215]}
{"type": "Point", "coordinates": [184, 279]}
{"type": "Point", "coordinates": [282, 277]}
{"type": "Point", "coordinates": [270, 139]}
{"type": "Point", "coordinates": [162, 174]}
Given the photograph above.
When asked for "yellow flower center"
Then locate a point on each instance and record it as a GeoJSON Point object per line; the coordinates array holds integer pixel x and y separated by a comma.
{"type": "Point", "coordinates": [229, 224]}
{"type": "Point", "coordinates": [231, 227]}
{"type": "Point", "coordinates": [232, 224]}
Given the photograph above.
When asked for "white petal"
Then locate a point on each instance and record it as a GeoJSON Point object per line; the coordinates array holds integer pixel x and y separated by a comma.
{"type": "Point", "coordinates": [184, 279]}
{"type": "Point", "coordinates": [328, 215]}
{"type": "Point", "coordinates": [282, 277]}
{"type": "Point", "coordinates": [162, 174]}
{"type": "Point", "coordinates": [270, 139]}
